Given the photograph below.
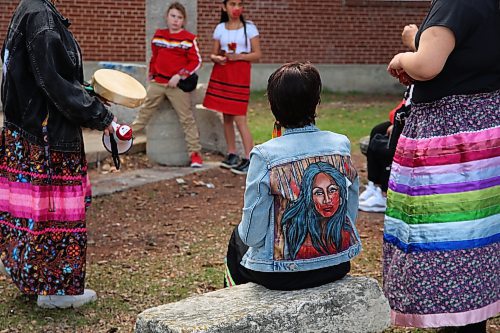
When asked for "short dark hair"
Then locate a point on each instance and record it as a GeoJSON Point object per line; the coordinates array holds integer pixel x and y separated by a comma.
{"type": "Point", "coordinates": [293, 91]}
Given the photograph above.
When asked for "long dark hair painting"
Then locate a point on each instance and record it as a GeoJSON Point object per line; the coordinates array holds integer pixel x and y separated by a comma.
{"type": "Point", "coordinates": [310, 205]}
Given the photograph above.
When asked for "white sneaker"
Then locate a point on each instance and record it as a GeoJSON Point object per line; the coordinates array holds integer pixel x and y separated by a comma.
{"type": "Point", "coordinates": [368, 192]}
{"type": "Point", "coordinates": [377, 203]}
{"type": "Point", "coordinates": [62, 302]}
{"type": "Point", "coordinates": [2, 268]}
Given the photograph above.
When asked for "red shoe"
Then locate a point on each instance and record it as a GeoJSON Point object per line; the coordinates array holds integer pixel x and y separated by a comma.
{"type": "Point", "coordinates": [196, 161]}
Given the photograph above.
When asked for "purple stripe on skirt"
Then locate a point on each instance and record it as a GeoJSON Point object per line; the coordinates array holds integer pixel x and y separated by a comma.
{"type": "Point", "coordinates": [444, 188]}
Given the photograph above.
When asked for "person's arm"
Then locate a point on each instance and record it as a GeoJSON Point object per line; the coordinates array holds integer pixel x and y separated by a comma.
{"type": "Point", "coordinates": [436, 44]}
{"type": "Point", "coordinates": [193, 64]}
{"type": "Point", "coordinates": [215, 55]}
{"type": "Point", "coordinates": [408, 36]}
{"type": "Point", "coordinates": [193, 61]}
{"type": "Point", "coordinates": [257, 203]}
{"type": "Point", "coordinates": [50, 62]}
{"type": "Point", "coordinates": [253, 56]}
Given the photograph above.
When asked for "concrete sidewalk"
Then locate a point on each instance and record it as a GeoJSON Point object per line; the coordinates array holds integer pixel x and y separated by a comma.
{"type": "Point", "coordinates": [103, 184]}
{"type": "Point", "coordinates": [121, 181]}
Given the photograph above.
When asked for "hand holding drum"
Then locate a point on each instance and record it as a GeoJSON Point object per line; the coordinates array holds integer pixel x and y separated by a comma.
{"type": "Point", "coordinates": [119, 88]}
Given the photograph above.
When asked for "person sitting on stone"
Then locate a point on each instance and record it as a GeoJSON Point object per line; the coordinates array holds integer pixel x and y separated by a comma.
{"type": "Point", "coordinates": [379, 157]}
{"type": "Point", "coordinates": [301, 198]}
{"type": "Point", "coordinates": [382, 146]}
{"type": "Point", "coordinates": [175, 57]}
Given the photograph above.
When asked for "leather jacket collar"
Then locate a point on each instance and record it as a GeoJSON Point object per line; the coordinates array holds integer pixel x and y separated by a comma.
{"type": "Point", "coordinates": [66, 21]}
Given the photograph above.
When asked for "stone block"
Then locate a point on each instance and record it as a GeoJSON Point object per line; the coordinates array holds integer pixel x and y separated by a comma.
{"type": "Point", "coordinates": [165, 138]}
{"type": "Point", "coordinates": [363, 144]}
{"type": "Point", "coordinates": [353, 304]}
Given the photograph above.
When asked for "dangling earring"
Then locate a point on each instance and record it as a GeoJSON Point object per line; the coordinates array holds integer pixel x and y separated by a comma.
{"type": "Point", "coordinates": [276, 130]}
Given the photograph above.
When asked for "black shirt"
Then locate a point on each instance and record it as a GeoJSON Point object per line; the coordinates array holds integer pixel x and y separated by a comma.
{"type": "Point", "coordinates": [474, 65]}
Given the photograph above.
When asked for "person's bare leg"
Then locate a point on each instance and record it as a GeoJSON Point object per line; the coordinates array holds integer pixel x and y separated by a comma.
{"type": "Point", "coordinates": [229, 133]}
{"type": "Point", "coordinates": [246, 135]}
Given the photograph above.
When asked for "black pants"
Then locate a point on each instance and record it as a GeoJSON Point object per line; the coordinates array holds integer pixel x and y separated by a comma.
{"type": "Point", "coordinates": [379, 158]}
{"type": "Point", "coordinates": [274, 280]}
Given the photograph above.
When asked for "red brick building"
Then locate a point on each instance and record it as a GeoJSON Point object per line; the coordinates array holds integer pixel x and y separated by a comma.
{"type": "Point", "coordinates": [322, 31]}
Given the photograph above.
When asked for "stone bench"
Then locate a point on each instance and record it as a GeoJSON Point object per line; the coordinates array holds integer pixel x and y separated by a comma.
{"type": "Point", "coordinates": [353, 304]}
{"type": "Point", "coordinates": [363, 144]}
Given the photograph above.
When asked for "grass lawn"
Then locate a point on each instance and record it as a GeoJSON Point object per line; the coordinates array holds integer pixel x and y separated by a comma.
{"type": "Point", "coordinates": [351, 114]}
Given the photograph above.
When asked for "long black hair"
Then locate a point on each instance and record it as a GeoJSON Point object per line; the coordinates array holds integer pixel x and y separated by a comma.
{"type": "Point", "coordinates": [224, 17]}
{"type": "Point", "coordinates": [301, 217]}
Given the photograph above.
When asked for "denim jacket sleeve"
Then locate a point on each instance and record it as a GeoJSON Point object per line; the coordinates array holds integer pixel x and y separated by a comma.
{"type": "Point", "coordinates": [54, 70]}
{"type": "Point", "coordinates": [353, 195]}
{"type": "Point", "coordinates": [258, 202]}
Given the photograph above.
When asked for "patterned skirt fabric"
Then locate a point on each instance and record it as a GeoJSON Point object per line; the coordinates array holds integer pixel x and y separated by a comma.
{"type": "Point", "coordinates": [43, 234]}
{"type": "Point", "coordinates": [228, 90]}
{"type": "Point", "coordinates": [442, 224]}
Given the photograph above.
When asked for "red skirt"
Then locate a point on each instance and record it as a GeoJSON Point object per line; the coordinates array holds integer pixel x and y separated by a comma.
{"type": "Point", "coordinates": [229, 88]}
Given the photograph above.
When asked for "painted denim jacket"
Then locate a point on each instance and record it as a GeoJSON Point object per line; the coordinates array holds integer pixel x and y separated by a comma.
{"type": "Point", "coordinates": [301, 203]}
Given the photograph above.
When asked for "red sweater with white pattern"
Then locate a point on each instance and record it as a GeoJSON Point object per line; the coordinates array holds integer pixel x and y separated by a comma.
{"type": "Point", "coordinates": [173, 53]}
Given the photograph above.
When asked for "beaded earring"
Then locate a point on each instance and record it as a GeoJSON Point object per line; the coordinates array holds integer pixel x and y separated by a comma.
{"type": "Point", "coordinates": [276, 130]}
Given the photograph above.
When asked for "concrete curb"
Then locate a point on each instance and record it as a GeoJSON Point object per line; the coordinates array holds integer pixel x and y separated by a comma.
{"type": "Point", "coordinates": [117, 182]}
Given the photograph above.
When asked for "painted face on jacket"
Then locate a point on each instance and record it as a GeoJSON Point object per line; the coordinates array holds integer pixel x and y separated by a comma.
{"type": "Point", "coordinates": [175, 20]}
{"type": "Point", "coordinates": [325, 195]}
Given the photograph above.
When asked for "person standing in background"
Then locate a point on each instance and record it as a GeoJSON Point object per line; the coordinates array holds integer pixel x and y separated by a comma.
{"type": "Point", "coordinates": [175, 57]}
{"type": "Point", "coordinates": [383, 141]}
{"type": "Point", "coordinates": [236, 46]}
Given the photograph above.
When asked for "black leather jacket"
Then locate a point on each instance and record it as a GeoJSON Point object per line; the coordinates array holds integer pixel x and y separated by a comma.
{"type": "Point", "coordinates": [43, 74]}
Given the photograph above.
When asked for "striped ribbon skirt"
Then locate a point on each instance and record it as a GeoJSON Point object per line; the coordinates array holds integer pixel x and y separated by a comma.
{"type": "Point", "coordinates": [43, 233]}
{"type": "Point", "coordinates": [228, 90]}
{"type": "Point", "coordinates": [442, 224]}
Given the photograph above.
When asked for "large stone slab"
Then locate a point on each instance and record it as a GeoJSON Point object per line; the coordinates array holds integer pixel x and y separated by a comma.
{"type": "Point", "coordinates": [353, 304]}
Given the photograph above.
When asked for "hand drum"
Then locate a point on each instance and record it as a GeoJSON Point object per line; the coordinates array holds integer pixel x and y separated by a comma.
{"type": "Point", "coordinates": [118, 87]}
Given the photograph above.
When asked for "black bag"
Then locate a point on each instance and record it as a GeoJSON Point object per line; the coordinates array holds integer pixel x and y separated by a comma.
{"type": "Point", "coordinates": [189, 84]}
{"type": "Point", "coordinates": [379, 144]}
{"type": "Point", "coordinates": [400, 117]}
{"type": "Point", "coordinates": [399, 123]}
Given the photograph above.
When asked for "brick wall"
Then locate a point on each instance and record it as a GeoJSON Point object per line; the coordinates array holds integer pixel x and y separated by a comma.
{"type": "Point", "coordinates": [106, 29]}
{"type": "Point", "coordinates": [6, 9]}
{"type": "Point", "coordinates": [322, 31]}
